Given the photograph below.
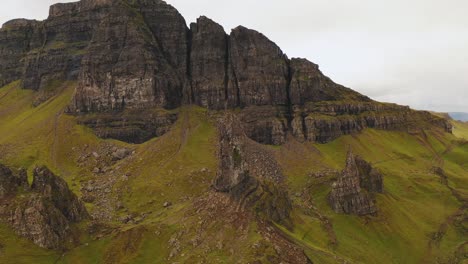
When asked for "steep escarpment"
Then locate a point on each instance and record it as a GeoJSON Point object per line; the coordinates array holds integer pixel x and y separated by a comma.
{"type": "Point", "coordinates": [140, 55]}
{"type": "Point", "coordinates": [44, 211]}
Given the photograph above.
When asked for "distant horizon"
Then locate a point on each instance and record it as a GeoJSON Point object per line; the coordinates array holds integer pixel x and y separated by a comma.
{"type": "Point", "coordinates": [417, 60]}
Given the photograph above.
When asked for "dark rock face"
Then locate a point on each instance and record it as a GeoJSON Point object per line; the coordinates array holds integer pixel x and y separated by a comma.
{"type": "Point", "coordinates": [249, 173]}
{"type": "Point", "coordinates": [133, 126]}
{"type": "Point", "coordinates": [308, 84]}
{"type": "Point", "coordinates": [41, 222]}
{"type": "Point", "coordinates": [10, 182]}
{"type": "Point", "coordinates": [45, 212]}
{"type": "Point", "coordinates": [259, 67]}
{"type": "Point", "coordinates": [15, 40]}
{"type": "Point", "coordinates": [352, 192]}
{"type": "Point", "coordinates": [136, 59]}
{"type": "Point", "coordinates": [208, 65]}
{"type": "Point", "coordinates": [233, 168]}
{"type": "Point", "coordinates": [326, 121]}
{"type": "Point", "coordinates": [56, 190]}
{"type": "Point", "coordinates": [265, 124]}
{"type": "Point", "coordinates": [140, 55]}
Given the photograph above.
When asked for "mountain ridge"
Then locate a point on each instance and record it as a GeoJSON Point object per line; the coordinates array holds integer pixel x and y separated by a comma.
{"type": "Point", "coordinates": [135, 55]}
{"type": "Point", "coordinates": [201, 147]}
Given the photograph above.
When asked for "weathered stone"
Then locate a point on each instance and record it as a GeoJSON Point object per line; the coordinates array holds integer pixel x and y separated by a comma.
{"type": "Point", "coordinates": [351, 192]}
{"type": "Point", "coordinates": [44, 212]}
{"type": "Point", "coordinates": [233, 167]}
{"type": "Point", "coordinates": [15, 40]}
{"type": "Point", "coordinates": [56, 190]}
{"type": "Point", "coordinates": [140, 56]}
{"type": "Point", "coordinates": [134, 126]}
{"type": "Point", "coordinates": [208, 65]}
{"type": "Point", "coordinates": [250, 174]}
{"type": "Point", "coordinates": [308, 84]}
{"type": "Point", "coordinates": [259, 68]}
{"type": "Point", "coordinates": [41, 222]}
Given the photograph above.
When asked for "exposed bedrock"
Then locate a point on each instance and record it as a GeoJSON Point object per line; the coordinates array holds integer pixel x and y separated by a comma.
{"type": "Point", "coordinates": [140, 55]}
{"type": "Point", "coordinates": [249, 173]}
{"type": "Point", "coordinates": [133, 126]}
{"type": "Point", "coordinates": [353, 191]}
{"type": "Point", "coordinates": [43, 212]}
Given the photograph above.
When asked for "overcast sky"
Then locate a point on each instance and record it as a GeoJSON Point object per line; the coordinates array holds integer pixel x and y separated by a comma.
{"type": "Point", "coordinates": [408, 52]}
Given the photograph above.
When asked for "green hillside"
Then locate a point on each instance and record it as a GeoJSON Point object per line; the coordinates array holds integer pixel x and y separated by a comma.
{"type": "Point", "coordinates": [422, 216]}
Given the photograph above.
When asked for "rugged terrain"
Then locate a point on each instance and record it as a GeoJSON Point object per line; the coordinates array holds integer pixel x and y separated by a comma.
{"type": "Point", "coordinates": [128, 137]}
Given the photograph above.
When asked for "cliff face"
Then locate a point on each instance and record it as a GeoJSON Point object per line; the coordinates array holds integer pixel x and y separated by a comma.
{"type": "Point", "coordinates": [10, 181]}
{"type": "Point", "coordinates": [137, 55]}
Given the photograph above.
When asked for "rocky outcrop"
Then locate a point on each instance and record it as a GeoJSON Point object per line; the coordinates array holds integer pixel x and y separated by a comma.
{"type": "Point", "coordinates": [140, 55]}
{"type": "Point", "coordinates": [136, 59]}
{"type": "Point", "coordinates": [40, 221]}
{"type": "Point", "coordinates": [233, 168]}
{"type": "Point", "coordinates": [133, 126]}
{"type": "Point", "coordinates": [56, 190]}
{"type": "Point", "coordinates": [352, 192]}
{"type": "Point", "coordinates": [10, 181]}
{"type": "Point", "coordinates": [309, 84]}
{"type": "Point", "coordinates": [45, 212]}
{"type": "Point", "coordinates": [250, 174]}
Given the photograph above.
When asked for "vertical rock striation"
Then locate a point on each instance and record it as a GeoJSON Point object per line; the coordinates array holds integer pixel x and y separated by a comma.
{"type": "Point", "coordinates": [208, 65]}
{"type": "Point", "coordinates": [138, 55]}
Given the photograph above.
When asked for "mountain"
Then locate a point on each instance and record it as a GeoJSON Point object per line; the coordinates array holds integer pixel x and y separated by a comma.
{"type": "Point", "coordinates": [128, 137]}
{"type": "Point", "coordinates": [459, 116]}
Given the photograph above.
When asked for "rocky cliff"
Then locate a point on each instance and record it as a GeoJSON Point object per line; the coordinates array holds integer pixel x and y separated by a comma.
{"type": "Point", "coordinates": [352, 192]}
{"type": "Point", "coordinates": [249, 174]}
{"type": "Point", "coordinates": [44, 211]}
{"type": "Point", "coordinates": [140, 55]}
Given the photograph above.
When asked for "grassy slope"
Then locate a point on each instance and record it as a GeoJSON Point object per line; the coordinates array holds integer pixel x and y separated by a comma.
{"type": "Point", "coordinates": [460, 129]}
{"type": "Point", "coordinates": [179, 167]}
